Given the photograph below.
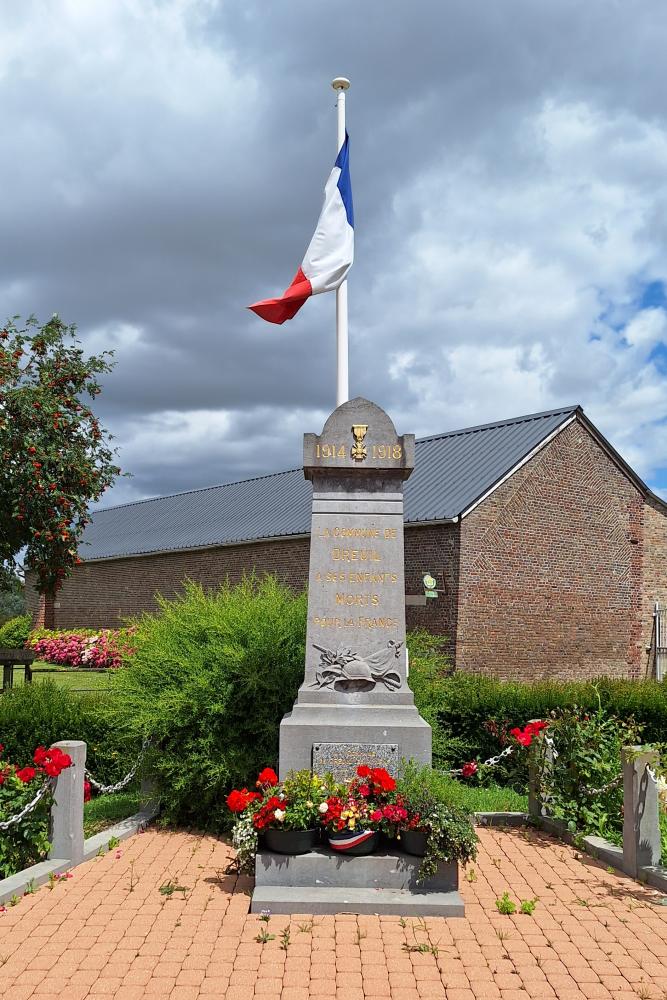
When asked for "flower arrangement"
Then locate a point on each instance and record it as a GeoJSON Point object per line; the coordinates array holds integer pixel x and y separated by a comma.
{"type": "Point", "coordinates": [82, 648]}
{"type": "Point", "coordinates": [447, 832]}
{"type": "Point", "coordinates": [27, 842]}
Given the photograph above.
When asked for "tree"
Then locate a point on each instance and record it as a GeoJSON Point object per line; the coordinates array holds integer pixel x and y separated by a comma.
{"type": "Point", "coordinates": [55, 458]}
{"type": "Point", "coordinates": [12, 601]}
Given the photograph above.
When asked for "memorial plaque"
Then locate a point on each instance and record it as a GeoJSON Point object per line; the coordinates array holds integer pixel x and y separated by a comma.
{"type": "Point", "coordinates": [343, 759]}
{"type": "Point", "coordinates": [355, 685]}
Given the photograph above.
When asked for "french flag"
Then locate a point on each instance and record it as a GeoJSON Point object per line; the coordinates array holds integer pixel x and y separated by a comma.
{"type": "Point", "coordinates": [331, 250]}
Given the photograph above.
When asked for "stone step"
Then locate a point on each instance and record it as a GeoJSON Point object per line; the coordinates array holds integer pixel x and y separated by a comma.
{"type": "Point", "coordinates": [334, 899]}
{"type": "Point", "coordinates": [387, 869]}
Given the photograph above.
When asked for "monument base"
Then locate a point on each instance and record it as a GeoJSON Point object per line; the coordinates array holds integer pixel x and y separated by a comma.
{"type": "Point", "coordinates": [323, 882]}
{"type": "Point", "coordinates": [391, 731]}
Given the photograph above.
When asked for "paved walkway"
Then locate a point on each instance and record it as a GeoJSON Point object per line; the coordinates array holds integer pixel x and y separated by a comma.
{"type": "Point", "coordinates": [109, 932]}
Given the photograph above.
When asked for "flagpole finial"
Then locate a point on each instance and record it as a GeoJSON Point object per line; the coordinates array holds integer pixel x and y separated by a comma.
{"type": "Point", "coordinates": [340, 83]}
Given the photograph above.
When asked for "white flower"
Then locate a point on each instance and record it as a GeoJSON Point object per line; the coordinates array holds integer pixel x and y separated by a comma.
{"type": "Point", "coordinates": [309, 804]}
{"type": "Point", "coordinates": [279, 815]}
{"type": "Point", "coordinates": [323, 807]}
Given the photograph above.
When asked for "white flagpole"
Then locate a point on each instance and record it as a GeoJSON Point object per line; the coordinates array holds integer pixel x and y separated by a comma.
{"type": "Point", "coordinates": [340, 85]}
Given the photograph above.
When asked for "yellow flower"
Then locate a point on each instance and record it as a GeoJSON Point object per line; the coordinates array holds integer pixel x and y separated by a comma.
{"type": "Point", "coordinates": [351, 824]}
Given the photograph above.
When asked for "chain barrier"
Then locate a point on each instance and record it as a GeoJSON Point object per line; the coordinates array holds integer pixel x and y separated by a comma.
{"type": "Point", "coordinates": [491, 762]}
{"type": "Point", "coordinates": [119, 785]}
{"type": "Point", "coordinates": [13, 820]}
{"type": "Point", "coordinates": [614, 783]}
{"type": "Point", "coordinates": [652, 775]}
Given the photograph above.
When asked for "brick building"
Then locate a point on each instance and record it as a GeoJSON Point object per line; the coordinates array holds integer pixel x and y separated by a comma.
{"type": "Point", "coordinates": [549, 551]}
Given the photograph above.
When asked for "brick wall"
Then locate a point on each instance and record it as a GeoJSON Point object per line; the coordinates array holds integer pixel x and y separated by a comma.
{"type": "Point", "coordinates": [434, 549]}
{"type": "Point", "coordinates": [102, 594]}
{"type": "Point", "coordinates": [655, 578]}
{"type": "Point", "coordinates": [551, 569]}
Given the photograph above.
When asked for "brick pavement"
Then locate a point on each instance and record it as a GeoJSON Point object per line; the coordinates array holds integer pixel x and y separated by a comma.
{"type": "Point", "coordinates": [109, 932]}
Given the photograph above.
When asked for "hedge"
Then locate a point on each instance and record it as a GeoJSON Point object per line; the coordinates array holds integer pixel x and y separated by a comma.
{"type": "Point", "coordinates": [461, 706]}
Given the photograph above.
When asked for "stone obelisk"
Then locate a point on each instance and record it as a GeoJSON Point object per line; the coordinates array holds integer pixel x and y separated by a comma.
{"type": "Point", "coordinates": [354, 705]}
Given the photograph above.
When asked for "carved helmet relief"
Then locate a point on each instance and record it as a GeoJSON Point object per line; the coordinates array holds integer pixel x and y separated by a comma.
{"type": "Point", "coordinates": [347, 671]}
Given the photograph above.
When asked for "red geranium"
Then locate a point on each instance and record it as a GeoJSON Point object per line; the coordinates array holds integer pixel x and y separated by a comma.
{"type": "Point", "coordinates": [26, 774]}
{"type": "Point", "coordinates": [266, 814]}
{"type": "Point", "coordinates": [469, 769]}
{"type": "Point", "coordinates": [87, 791]}
{"type": "Point", "coordinates": [267, 777]}
{"type": "Point", "coordinates": [240, 800]}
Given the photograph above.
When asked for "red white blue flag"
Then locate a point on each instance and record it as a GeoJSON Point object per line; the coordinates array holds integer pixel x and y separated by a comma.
{"type": "Point", "coordinates": [330, 253]}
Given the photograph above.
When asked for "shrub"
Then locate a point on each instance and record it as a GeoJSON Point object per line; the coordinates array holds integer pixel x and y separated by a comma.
{"type": "Point", "coordinates": [45, 713]}
{"type": "Point", "coordinates": [580, 787]}
{"type": "Point", "coordinates": [210, 677]}
{"type": "Point", "coordinates": [472, 714]}
{"type": "Point", "coordinates": [81, 647]}
{"type": "Point", "coordinates": [14, 633]}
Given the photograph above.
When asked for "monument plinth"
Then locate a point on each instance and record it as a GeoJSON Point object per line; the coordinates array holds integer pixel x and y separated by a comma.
{"type": "Point", "coordinates": [354, 705]}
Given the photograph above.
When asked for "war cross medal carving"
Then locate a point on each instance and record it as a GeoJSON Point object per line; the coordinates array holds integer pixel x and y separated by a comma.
{"type": "Point", "coordinates": [358, 451]}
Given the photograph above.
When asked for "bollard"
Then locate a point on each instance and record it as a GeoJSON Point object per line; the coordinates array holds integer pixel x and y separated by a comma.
{"type": "Point", "coordinates": [641, 828]}
{"type": "Point", "coordinates": [67, 809]}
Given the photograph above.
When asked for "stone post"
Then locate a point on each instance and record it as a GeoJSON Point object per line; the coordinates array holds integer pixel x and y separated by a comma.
{"type": "Point", "coordinates": [641, 829]}
{"type": "Point", "coordinates": [67, 809]}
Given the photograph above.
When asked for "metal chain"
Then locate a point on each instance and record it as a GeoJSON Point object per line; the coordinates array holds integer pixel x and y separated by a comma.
{"type": "Point", "coordinates": [119, 785]}
{"type": "Point", "coordinates": [13, 820]}
{"type": "Point", "coordinates": [491, 762]}
{"type": "Point", "coordinates": [587, 790]}
{"type": "Point", "coordinates": [652, 775]}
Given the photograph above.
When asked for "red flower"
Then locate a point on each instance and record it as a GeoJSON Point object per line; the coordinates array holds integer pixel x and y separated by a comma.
{"type": "Point", "coordinates": [26, 774]}
{"type": "Point", "coordinates": [376, 816]}
{"type": "Point", "coordinates": [535, 728]}
{"type": "Point", "coordinates": [382, 778]}
{"type": "Point", "coordinates": [267, 777]}
{"type": "Point", "coordinates": [469, 769]}
{"type": "Point", "coordinates": [363, 771]}
{"type": "Point", "coordinates": [240, 800]}
{"type": "Point", "coordinates": [523, 737]}
{"type": "Point", "coordinates": [40, 756]}
{"type": "Point", "coordinates": [87, 791]}
{"type": "Point", "coordinates": [364, 790]}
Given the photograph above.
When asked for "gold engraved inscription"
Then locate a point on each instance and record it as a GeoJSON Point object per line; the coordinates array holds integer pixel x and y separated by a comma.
{"type": "Point", "coordinates": [355, 555]}
{"type": "Point", "coordinates": [360, 622]}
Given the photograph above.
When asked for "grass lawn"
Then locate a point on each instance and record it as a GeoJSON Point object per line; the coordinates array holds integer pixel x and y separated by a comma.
{"type": "Point", "coordinates": [105, 810]}
{"type": "Point", "coordinates": [491, 799]}
{"type": "Point", "coordinates": [75, 680]}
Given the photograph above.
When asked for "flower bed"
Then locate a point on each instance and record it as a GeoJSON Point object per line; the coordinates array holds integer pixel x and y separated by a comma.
{"type": "Point", "coordinates": [105, 648]}
{"type": "Point", "coordinates": [26, 842]}
{"type": "Point", "coordinates": [351, 815]}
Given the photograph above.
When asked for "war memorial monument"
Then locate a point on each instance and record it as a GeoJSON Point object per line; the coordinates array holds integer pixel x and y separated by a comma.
{"type": "Point", "coordinates": [354, 705]}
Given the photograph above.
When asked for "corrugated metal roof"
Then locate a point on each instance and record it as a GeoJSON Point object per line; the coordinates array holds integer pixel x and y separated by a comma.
{"type": "Point", "coordinates": [452, 471]}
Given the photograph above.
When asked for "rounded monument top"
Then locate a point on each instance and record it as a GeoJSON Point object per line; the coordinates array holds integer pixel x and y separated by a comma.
{"type": "Point", "coordinates": [340, 83]}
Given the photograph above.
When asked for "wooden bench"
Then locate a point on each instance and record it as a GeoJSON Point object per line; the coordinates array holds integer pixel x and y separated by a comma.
{"type": "Point", "coordinates": [10, 658]}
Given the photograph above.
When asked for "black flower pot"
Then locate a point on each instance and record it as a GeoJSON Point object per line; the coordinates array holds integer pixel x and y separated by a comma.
{"type": "Point", "coordinates": [354, 841]}
{"type": "Point", "coordinates": [414, 842]}
{"type": "Point", "coordinates": [291, 841]}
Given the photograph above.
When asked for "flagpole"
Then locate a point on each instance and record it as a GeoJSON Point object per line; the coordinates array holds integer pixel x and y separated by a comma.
{"type": "Point", "coordinates": [340, 85]}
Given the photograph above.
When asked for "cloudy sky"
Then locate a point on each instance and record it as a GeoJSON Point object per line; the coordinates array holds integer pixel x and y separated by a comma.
{"type": "Point", "coordinates": [163, 166]}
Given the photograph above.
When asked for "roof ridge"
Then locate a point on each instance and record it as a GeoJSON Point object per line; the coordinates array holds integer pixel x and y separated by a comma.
{"type": "Point", "coordinates": [270, 475]}
{"type": "Point", "coordinates": [542, 415]}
